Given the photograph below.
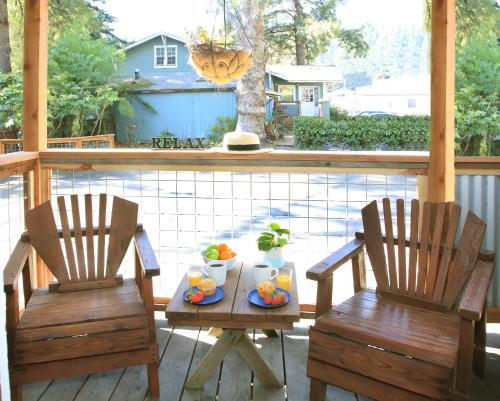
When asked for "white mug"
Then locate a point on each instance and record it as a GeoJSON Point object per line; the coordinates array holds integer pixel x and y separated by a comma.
{"type": "Point", "coordinates": [216, 270]}
{"type": "Point", "coordinates": [262, 271]}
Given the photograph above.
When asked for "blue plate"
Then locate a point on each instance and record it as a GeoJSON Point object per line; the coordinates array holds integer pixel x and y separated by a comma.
{"type": "Point", "coordinates": [207, 300]}
{"type": "Point", "coordinates": [253, 298]}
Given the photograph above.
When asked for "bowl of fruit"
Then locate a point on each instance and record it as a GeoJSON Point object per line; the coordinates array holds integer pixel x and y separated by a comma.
{"type": "Point", "coordinates": [220, 252]}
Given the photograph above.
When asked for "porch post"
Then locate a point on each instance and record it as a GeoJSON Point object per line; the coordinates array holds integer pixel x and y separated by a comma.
{"type": "Point", "coordinates": [441, 172]}
{"type": "Point", "coordinates": [35, 102]}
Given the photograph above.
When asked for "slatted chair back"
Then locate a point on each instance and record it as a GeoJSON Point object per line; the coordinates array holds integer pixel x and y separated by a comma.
{"type": "Point", "coordinates": [434, 269]}
{"type": "Point", "coordinates": [84, 263]}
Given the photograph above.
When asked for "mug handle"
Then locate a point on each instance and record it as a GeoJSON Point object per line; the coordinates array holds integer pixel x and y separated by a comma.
{"type": "Point", "coordinates": [274, 272]}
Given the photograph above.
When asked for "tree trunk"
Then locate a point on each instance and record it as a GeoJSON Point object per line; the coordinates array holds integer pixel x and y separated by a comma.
{"type": "Point", "coordinates": [300, 48]}
{"type": "Point", "coordinates": [250, 91]}
{"type": "Point", "coordinates": [5, 65]}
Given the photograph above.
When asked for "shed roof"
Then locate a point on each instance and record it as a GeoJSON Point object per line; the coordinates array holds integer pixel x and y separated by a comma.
{"type": "Point", "coordinates": [305, 73]}
{"type": "Point", "coordinates": [181, 81]}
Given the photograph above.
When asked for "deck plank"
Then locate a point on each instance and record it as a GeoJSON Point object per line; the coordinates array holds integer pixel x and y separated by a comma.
{"type": "Point", "coordinates": [133, 385]}
{"type": "Point", "coordinates": [209, 390]}
{"type": "Point", "coordinates": [64, 389]}
{"type": "Point", "coordinates": [271, 351]}
{"type": "Point", "coordinates": [100, 386]}
{"type": "Point", "coordinates": [176, 361]}
{"type": "Point", "coordinates": [296, 345]}
{"type": "Point", "coordinates": [492, 374]}
{"type": "Point", "coordinates": [33, 391]}
{"type": "Point", "coordinates": [235, 383]}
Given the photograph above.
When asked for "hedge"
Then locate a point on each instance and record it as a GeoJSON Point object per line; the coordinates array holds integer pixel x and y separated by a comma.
{"type": "Point", "coordinates": [363, 133]}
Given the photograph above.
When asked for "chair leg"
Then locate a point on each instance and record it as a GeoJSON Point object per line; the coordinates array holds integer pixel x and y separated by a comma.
{"type": "Point", "coordinates": [153, 380]}
{"type": "Point", "coordinates": [16, 393]}
{"type": "Point", "coordinates": [317, 391]}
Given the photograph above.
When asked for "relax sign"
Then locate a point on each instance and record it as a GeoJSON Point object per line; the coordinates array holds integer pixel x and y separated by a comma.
{"type": "Point", "coordinates": [177, 143]}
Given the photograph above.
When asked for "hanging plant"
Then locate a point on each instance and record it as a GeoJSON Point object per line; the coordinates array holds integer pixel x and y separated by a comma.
{"type": "Point", "coordinates": [219, 61]}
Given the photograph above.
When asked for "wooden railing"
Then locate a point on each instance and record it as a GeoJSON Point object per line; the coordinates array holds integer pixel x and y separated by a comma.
{"type": "Point", "coordinates": [81, 142]}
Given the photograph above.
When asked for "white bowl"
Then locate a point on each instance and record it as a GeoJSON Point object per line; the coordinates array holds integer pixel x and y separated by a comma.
{"type": "Point", "coordinates": [228, 262]}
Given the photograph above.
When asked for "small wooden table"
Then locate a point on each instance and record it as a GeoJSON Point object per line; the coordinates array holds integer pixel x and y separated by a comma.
{"type": "Point", "coordinates": [235, 315]}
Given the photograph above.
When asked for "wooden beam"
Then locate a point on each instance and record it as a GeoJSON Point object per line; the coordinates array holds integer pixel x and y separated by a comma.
{"type": "Point", "coordinates": [35, 75]}
{"type": "Point", "coordinates": [35, 104]}
{"type": "Point", "coordinates": [441, 182]}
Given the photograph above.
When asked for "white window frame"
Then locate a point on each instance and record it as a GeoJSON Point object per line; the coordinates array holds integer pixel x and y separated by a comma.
{"type": "Point", "coordinates": [315, 93]}
{"type": "Point", "coordinates": [289, 86]}
{"type": "Point", "coordinates": [165, 56]}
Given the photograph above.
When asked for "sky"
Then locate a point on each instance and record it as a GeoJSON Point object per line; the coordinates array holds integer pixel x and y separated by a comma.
{"type": "Point", "coordinates": [138, 19]}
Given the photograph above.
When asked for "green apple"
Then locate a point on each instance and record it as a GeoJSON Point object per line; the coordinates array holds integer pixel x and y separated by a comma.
{"type": "Point", "coordinates": [213, 246]}
{"type": "Point", "coordinates": [212, 254]}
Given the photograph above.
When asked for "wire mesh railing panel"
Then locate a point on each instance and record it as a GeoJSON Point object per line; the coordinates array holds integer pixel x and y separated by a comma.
{"type": "Point", "coordinates": [11, 214]}
{"type": "Point", "coordinates": [61, 145]}
{"type": "Point", "coordinates": [183, 212]}
{"type": "Point", "coordinates": [12, 147]}
{"type": "Point", "coordinates": [97, 144]}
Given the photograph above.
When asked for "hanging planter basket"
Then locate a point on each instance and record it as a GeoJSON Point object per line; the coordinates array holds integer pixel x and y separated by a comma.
{"type": "Point", "coordinates": [218, 63]}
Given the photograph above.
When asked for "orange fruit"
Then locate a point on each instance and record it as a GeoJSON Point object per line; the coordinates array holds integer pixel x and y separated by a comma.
{"type": "Point", "coordinates": [225, 255]}
{"type": "Point", "coordinates": [233, 254]}
{"type": "Point", "coordinates": [223, 247]}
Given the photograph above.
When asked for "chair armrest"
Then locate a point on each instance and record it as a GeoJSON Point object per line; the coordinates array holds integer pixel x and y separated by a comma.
{"type": "Point", "coordinates": [475, 293]}
{"type": "Point", "coordinates": [15, 265]}
{"type": "Point", "coordinates": [331, 263]}
{"type": "Point", "coordinates": [147, 257]}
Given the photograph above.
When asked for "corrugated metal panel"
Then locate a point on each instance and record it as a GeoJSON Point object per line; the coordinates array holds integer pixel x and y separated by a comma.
{"type": "Point", "coordinates": [481, 195]}
{"type": "Point", "coordinates": [188, 114]}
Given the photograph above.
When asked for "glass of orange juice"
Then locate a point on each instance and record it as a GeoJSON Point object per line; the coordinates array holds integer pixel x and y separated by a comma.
{"type": "Point", "coordinates": [284, 279]}
{"type": "Point", "coordinates": [194, 275]}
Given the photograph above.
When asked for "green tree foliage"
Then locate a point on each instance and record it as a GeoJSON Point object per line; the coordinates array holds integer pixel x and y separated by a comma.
{"type": "Point", "coordinates": [65, 16]}
{"type": "Point", "coordinates": [82, 59]}
{"type": "Point", "coordinates": [472, 16]}
{"type": "Point", "coordinates": [80, 88]}
{"type": "Point", "coordinates": [477, 99]}
{"type": "Point", "coordinates": [477, 75]}
{"type": "Point", "coordinates": [299, 30]}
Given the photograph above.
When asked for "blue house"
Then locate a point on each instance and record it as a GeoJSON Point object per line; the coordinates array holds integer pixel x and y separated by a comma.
{"type": "Point", "coordinates": [183, 103]}
{"type": "Point", "coordinates": [186, 105]}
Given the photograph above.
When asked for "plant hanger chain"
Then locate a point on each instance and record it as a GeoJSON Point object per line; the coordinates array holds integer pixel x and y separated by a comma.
{"type": "Point", "coordinates": [225, 25]}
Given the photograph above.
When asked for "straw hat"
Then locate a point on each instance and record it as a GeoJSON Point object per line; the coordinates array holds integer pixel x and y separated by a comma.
{"type": "Point", "coordinates": [241, 143]}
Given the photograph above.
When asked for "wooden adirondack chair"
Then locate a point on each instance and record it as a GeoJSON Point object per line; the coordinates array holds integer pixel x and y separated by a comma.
{"type": "Point", "coordinates": [412, 338]}
{"type": "Point", "coordinates": [91, 319]}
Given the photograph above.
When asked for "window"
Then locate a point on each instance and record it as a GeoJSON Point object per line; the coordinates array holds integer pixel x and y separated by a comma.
{"type": "Point", "coordinates": [165, 56]}
{"type": "Point", "coordinates": [412, 103]}
{"type": "Point", "coordinates": [307, 95]}
{"type": "Point", "coordinates": [288, 92]}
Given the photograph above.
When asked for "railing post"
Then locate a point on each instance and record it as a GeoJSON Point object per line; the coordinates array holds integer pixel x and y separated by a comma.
{"type": "Point", "coordinates": [35, 99]}
{"type": "Point", "coordinates": [441, 173]}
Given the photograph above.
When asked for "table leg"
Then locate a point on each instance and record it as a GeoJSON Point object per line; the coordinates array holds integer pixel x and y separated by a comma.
{"type": "Point", "coordinates": [213, 358]}
{"type": "Point", "coordinates": [249, 352]}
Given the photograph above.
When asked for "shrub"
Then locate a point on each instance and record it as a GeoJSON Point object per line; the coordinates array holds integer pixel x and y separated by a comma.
{"type": "Point", "coordinates": [222, 126]}
{"type": "Point", "coordinates": [336, 113]}
{"type": "Point", "coordinates": [363, 133]}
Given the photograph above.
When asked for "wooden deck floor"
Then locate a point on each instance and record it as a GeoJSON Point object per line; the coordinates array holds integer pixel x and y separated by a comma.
{"type": "Point", "coordinates": [181, 350]}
